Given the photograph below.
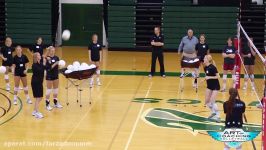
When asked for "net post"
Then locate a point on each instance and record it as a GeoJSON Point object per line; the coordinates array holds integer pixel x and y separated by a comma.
{"type": "Point", "coordinates": [263, 147]}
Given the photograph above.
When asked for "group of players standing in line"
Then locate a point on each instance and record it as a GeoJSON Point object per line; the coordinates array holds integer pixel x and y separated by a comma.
{"type": "Point", "coordinates": [18, 63]}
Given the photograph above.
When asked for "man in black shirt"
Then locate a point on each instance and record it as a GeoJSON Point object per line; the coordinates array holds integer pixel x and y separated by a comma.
{"type": "Point", "coordinates": [157, 43]}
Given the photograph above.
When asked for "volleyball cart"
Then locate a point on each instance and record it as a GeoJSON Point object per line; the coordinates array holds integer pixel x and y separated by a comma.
{"type": "Point", "coordinates": [189, 63]}
{"type": "Point", "coordinates": [77, 79]}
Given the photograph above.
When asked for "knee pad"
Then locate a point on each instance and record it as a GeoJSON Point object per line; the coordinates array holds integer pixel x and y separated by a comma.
{"type": "Point", "coordinates": [55, 91]}
{"type": "Point", "coordinates": [48, 91]}
{"type": "Point", "coordinates": [224, 76]}
{"type": "Point", "coordinates": [16, 89]}
{"type": "Point", "coordinates": [234, 77]}
{"type": "Point", "coordinates": [246, 76]}
{"type": "Point", "coordinates": [209, 104]}
{"type": "Point", "coordinates": [6, 77]}
{"type": "Point", "coordinates": [98, 72]}
{"type": "Point", "coordinates": [26, 88]}
{"type": "Point", "coordinates": [251, 76]}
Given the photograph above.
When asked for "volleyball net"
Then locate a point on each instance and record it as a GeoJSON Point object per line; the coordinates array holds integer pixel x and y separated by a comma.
{"type": "Point", "coordinates": [254, 77]}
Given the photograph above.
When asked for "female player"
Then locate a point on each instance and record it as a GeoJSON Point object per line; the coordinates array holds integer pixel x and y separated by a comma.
{"type": "Point", "coordinates": [95, 56]}
{"type": "Point", "coordinates": [7, 59]}
{"type": "Point", "coordinates": [213, 86]}
{"type": "Point", "coordinates": [37, 82]}
{"type": "Point", "coordinates": [20, 69]}
{"type": "Point", "coordinates": [202, 49]}
{"type": "Point", "coordinates": [234, 109]}
{"type": "Point", "coordinates": [229, 62]}
{"type": "Point", "coordinates": [249, 60]}
{"type": "Point", "coordinates": [52, 81]}
{"type": "Point", "coordinates": [38, 47]}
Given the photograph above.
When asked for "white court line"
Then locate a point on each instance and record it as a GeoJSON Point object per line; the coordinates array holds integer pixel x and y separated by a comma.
{"type": "Point", "coordinates": [85, 115]}
{"type": "Point", "coordinates": [138, 118]}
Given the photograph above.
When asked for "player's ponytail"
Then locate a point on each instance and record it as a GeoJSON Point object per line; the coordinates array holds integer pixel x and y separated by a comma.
{"type": "Point", "coordinates": [233, 94]}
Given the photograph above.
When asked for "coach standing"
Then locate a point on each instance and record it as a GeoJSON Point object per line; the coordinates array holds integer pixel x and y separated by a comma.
{"type": "Point", "coordinates": [157, 42]}
{"type": "Point", "coordinates": [187, 45]}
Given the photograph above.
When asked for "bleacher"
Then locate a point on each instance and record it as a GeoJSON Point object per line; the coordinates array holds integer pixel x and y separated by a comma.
{"type": "Point", "coordinates": [28, 19]}
{"type": "Point", "coordinates": [217, 23]}
{"type": "Point", "coordinates": [2, 22]}
{"type": "Point", "coordinates": [121, 24]}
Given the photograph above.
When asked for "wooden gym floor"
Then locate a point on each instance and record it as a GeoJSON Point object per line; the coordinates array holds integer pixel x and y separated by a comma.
{"type": "Point", "coordinates": [129, 111]}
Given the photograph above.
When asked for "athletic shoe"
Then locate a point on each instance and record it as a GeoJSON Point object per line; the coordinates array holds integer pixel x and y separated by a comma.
{"type": "Point", "coordinates": [8, 87]}
{"type": "Point", "coordinates": [29, 101]}
{"type": "Point", "coordinates": [15, 102]}
{"type": "Point", "coordinates": [182, 75]}
{"type": "Point", "coordinates": [48, 107]}
{"type": "Point", "coordinates": [34, 113]}
{"type": "Point", "coordinates": [99, 83]}
{"type": "Point", "coordinates": [57, 104]}
{"type": "Point", "coordinates": [217, 119]}
{"type": "Point", "coordinates": [253, 88]}
{"type": "Point", "coordinates": [38, 115]}
{"type": "Point", "coordinates": [244, 87]}
{"type": "Point", "coordinates": [163, 76]}
{"type": "Point", "coordinates": [259, 106]}
{"type": "Point", "coordinates": [212, 115]}
{"type": "Point", "coordinates": [150, 75]}
{"type": "Point", "coordinates": [222, 90]}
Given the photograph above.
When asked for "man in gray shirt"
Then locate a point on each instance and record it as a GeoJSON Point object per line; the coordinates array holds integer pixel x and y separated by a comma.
{"type": "Point", "coordinates": [187, 45]}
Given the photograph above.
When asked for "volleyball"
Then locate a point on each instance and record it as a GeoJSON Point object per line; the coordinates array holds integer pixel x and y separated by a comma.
{"type": "Point", "coordinates": [66, 35]}
{"type": "Point", "coordinates": [70, 67]}
{"type": "Point", "coordinates": [76, 63]}
{"type": "Point", "coordinates": [62, 63]}
{"type": "Point", "coordinates": [2, 69]}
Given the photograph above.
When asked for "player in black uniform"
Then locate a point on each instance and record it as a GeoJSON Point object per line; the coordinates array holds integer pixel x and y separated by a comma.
{"type": "Point", "coordinates": [38, 47]}
{"type": "Point", "coordinates": [38, 68]}
{"type": "Point", "coordinates": [202, 49]}
{"type": "Point", "coordinates": [52, 81]}
{"type": "Point", "coordinates": [20, 69]}
{"type": "Point", "coordinates": [157, 43]}
{"type": "Point", "coordinates": [7, 59]}
{"type": "Point", "coordinates": [234, 109]}
{"type": "Point", "coordinates": [213, 87]}
{"type": "Point", "coordinates": [229, 54]}
{"type": "Point", "coordinates": [95, 56]}
{"type": "Point", "coordinates": [249, 61]}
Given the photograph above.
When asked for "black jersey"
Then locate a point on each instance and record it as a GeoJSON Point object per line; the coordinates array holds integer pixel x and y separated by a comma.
{"type": "Point", "coordinates": [212, 84]}
{"type": "Point", "coordinates": [156, 38]}
{"type": "Point", "coordinates": [37, 48]}
{"type": "Point", "coordinates": [37, 72]}
{"type": "Point", "coordinates": [7, 53]}
{"type": "Point", "coordinates": [234, 119]}
{"type": "Point", "coordinates": [20, 64]}
{"type": "Point", "coordinates": [95, 49]}
{"type": "Point", "coordinates": [52, 73]}
{"type": "Point", "coordinates": [202, 50]}
{"type": "Point", "coordinates": [229, 50]}
{"type": "Point", "coordinates": [248, 60]}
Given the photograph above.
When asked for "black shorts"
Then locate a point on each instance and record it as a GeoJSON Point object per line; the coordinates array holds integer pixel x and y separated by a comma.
{"type": "Point", "coordinates": [20, 74]}
{"type": "Point", "coordinates": [95, 59]}
{"type": "Point", "coordinates": [7, 63]}
{"type": "Point", "coordinates": [249, 61]}
{"type": "Point", "coordinates": [37, 89]}
{"type": "Point", "coordinates": [51, 78]}
{"type": "Point", "coordinates": [213, 85]}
